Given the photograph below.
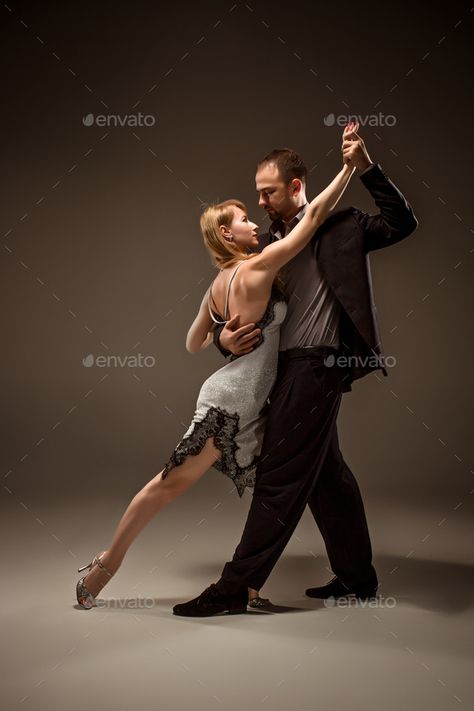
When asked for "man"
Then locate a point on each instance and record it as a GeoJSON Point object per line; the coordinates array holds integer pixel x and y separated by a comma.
{"type": "Point", "coordinates": [329, 338]}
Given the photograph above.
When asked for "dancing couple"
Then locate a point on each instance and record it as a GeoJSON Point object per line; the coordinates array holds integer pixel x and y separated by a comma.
{"type": "Point", "coordinates": [293, 311]}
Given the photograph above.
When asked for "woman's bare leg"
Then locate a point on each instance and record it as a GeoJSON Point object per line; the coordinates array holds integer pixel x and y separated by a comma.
{"type": "Point", "coordinates": [156, 494]}
{"type": "Point", "coordinates": [145, 505]}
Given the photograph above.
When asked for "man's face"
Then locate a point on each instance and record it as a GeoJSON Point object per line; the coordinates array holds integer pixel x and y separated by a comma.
{"type": "Point", "coordinates": [276, 198]}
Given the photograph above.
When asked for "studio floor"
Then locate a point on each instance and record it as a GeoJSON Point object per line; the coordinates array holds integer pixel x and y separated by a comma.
{"type": "Point", "coordinates": [409, 649]}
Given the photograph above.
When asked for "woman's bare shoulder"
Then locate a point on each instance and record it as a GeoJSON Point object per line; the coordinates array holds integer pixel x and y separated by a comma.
{"type": "Point", "coordinates": [252, 275]}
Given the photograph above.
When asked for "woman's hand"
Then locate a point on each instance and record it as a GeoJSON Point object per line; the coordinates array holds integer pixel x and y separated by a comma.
{"type": "Point", "coordinates": [354, 152]}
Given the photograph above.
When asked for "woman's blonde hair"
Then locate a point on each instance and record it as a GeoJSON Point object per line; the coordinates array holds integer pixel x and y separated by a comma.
{"type": "Point", "coordinates": [223, 253]}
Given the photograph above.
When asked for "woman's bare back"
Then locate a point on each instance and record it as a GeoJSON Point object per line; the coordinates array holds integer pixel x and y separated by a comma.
{"type": "Point", "coordinates": [248, 292]}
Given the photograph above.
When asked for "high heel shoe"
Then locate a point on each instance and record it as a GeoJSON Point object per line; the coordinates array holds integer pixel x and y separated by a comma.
{"type": "Point", "coordinates": [84, 598]}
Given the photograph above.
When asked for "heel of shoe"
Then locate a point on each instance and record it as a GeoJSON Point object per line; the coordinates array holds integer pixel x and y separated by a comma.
{"type": "Point", "coordinates": [88, 566]}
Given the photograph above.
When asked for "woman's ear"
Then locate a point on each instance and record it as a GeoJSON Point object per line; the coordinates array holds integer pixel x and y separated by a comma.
{"type": "Point", "coordinates": [226, 233]}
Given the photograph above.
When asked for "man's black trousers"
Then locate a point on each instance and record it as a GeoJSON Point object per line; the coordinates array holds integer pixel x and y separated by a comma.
{"type": "Point", "coordinates": [301, 464]}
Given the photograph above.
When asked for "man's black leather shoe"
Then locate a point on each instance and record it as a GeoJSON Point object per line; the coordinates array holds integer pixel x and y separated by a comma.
{"type": "Point", "coordinates": [213, 602]}
{"type": "Point", "coordinates": [335, 588]}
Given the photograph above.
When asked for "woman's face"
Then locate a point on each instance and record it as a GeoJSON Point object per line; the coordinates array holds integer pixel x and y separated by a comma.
{"type": "Point", "coordinates": [243, 231]}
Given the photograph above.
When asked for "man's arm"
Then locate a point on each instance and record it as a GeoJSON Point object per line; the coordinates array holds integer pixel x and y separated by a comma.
{"type": "Point", "coordinates": [217, 333]}
{"type": "Point", "coordinates": [241, 340]}
{"type": "Point", "coordinates": [396, 219]}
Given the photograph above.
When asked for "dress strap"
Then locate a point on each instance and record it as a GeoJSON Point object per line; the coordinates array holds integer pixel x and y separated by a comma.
{"type": "Point", "coordinates": [209, 297]}
{"type": "Point", "coordinates": [228, 288]}
{"type": "Point", "coordinates": [226, 298]}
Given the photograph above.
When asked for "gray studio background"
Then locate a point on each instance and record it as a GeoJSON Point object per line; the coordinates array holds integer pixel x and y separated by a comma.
{"type": "Point", "coordinates": [102, 256]}
{"type": "Point", "coordinates": [102, 252]}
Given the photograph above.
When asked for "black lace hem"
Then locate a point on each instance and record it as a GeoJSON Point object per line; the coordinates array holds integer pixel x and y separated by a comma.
{"type": "Point", "coordinates": [223, 427]}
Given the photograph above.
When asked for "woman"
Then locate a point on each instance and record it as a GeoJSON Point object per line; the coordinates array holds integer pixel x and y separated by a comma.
{"type": "Point", "coordinates": [227, 429]}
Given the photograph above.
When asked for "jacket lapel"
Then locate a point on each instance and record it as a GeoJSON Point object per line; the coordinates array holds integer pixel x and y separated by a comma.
{"type": "Point", "coordinates": [344, 265]}
{"type": "Point", "coordinates": [342, 259]}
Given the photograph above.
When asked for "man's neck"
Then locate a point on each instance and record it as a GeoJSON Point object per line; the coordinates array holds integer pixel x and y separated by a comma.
{"type": "Point", "coordinates": [294, 212]}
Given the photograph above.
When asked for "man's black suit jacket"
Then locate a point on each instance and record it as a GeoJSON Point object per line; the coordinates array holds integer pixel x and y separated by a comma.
{"type": "Point", "coordinates": [341, 246]}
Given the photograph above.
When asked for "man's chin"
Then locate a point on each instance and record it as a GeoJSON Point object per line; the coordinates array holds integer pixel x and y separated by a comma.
{"type": "Point", "coordinates": [272, 214]}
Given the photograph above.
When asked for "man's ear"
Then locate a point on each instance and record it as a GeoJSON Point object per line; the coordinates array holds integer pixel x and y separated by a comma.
{"type": "Point", "coordinates": [296, 186]}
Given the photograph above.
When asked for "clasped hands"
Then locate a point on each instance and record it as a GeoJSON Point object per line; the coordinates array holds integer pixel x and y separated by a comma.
{"type": "Point", "coordinates": [354, 152]}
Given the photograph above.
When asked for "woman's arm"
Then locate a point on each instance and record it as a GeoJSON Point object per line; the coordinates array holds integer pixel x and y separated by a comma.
{"type": "Point", "coordinates": [275, 255]}
{"type": "Point", "coordinates": [200, 332]}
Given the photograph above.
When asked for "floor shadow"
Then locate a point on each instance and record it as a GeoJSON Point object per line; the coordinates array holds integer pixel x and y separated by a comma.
{"type": "Point", "coordinates": [138, 605]}
{"type": "Point", "coordinates": [436, 585]}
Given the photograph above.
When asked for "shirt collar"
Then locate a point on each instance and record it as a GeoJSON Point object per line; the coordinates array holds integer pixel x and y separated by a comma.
{"type": "Point", "coordinates": [277, 228]}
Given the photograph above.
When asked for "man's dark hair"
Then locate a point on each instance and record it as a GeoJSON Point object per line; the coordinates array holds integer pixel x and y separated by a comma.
{"type": "Point", "coordinates": [288, 162]}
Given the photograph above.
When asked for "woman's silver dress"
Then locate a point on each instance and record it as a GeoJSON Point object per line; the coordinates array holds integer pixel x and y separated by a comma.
{"type": "Point", "coordinates": [231, 402]}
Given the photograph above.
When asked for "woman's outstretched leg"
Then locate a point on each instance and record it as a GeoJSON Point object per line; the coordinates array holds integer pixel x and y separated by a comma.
{"type": "Point", "coordinates": [145, 505]}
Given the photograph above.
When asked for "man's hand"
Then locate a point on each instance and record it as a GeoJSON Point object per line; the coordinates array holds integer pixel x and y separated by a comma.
{"type": "Point", "coordinates": [354, 152]}
{"type": "Point", "coordinates": [239, 340]}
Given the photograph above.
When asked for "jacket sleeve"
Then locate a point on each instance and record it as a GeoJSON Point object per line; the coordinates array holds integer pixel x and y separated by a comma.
{"type": "Point", "coordinates": [396, 219]}
{"type": "Point", "coordinates": [217, 332]}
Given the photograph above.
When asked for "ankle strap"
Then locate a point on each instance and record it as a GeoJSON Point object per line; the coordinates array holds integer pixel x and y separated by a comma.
{"type": "Point", "coordinates": [101, 565]}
